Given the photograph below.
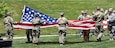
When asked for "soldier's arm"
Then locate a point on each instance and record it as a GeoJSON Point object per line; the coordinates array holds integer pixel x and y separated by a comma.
{"type": "Point", "coordinates": [58, 20]}
{"type": "Point", "coordinates": [41, 22]}
{"type": "Point", "coordinates": [94, 18]}
{"type": "Point", "coordinates": [66, 21]}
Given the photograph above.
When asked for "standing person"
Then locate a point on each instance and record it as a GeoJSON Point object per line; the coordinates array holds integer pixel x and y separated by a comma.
{"type": "Point", "coordinates": [98, 18]}
{"type": "Point", "coordinates": [29, 35]}
{"type": "Point", "coordinates": [110, 15]}
{"type": "Point", "coordinates": [8, 22]}
{"type": "Point", "coordinates": [80, 18]}
{"type": "Point", "coordinates": [62, 22]}
{"type": "Point", "coordinates": [36, 29]}
{"type": "Point", "coordinates": [85, 32]}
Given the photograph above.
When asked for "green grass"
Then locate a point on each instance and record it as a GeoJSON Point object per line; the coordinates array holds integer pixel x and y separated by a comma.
{"type": "Point", "coordinates": [72, 42]}
{"type": "Point", "coordinates": [72, 9]}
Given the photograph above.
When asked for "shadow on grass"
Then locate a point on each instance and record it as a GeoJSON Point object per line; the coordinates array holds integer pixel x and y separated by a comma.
{"type": "Point", "coordinates": [70, 42]}
{"type": "Point", "coordinates": [66, 42]}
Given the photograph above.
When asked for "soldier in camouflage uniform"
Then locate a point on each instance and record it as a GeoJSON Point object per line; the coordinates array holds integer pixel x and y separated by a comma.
{"type": "Point", "coordinates": [36, 29]}
{"type": "Point", "coordinates": [98, 18]}
{"type": "Point", "coordinates": [62, 22]}
{"type": "Point", "coordinates": [85, 32]}
{"type": "Point", "coordinates": [8, 22]}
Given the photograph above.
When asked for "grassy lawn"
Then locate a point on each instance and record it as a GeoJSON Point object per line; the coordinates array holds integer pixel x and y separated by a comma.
{"type": "Point", "coordinates": [73, 41]}
{"type": "Point", "coordinates": [72, 9]}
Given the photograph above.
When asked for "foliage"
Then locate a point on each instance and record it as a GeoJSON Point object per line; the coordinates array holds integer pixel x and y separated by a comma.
{"type": "Point", "coordinates": [4, 9]}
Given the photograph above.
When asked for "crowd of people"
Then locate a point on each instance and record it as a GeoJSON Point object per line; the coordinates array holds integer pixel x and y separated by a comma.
{"type": "Point", "coordinates": [98, 16]}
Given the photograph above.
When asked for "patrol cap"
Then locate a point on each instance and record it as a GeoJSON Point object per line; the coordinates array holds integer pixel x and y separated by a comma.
{"type": "Point", "coordinates": [85, 11]}
{"type": "Point", "coordinates": [98, 8]}
{"type": "Point", "coordinates": [36, 15]}
{"type": "Point", "coordinates": [82, 11]}
{"type": "Point", "coordinates": [62, 13]}
{"type": "Point", "coordinates": [8, 13]}
{"type": "Point", "coordinates": [110, 9]}
{"type": "Point", "coordinates": [93, 12]}
{"type": "Point", "coordinates": [102, 9]}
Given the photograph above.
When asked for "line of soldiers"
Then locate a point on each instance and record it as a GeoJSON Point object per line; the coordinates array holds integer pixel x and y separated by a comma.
{"type": "Point", "coordinates": [35, 32]}
{"type": "Point", "coordinates": [97, 16]}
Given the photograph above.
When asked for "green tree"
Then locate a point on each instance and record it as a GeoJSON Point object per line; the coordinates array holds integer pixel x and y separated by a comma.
{"type": "Point", "coordinates": [3, 9]}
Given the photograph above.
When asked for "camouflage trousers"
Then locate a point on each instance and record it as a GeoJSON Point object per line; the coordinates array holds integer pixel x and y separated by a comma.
{"type": "Point", "coordinates": [99, 31]}
{"type": "Point", "coordinates": [62, 34]}
{"type": "Point", "coordinates": [9, 34]}
{"type": "Point", "coordinates": [99, 28]}
{"type": "Point", "coordinates": [35, 35]}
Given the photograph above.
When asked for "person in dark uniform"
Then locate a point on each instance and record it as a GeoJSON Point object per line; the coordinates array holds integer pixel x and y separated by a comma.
{"type": "Point", "coordinates": [29, 35]}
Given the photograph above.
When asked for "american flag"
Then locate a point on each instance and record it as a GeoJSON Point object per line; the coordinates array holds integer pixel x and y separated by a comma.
{"type": "Point", "coordinates": [28, 15]}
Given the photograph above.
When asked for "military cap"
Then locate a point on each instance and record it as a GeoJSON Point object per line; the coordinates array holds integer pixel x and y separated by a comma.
{"type": "Point", "coordinates": [93, 12]}
{"type": "Point", "coordinates": [98, 8]}
{"type": "Point", "coordinates": [35, 14]}
{"type": "Point", "coordinates": [102, 9]}
{"type": "Point", "coordinates": [110, 9]}
{"type": "Point", "coordinates": [62, 13]}
{"type": "Point", "coordinates": [85, 11]}
{"type": "Point", "coordinates": [8, 14]}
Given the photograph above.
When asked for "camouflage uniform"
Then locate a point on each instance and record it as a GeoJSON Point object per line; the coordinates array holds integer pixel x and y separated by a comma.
{"type": "Point", "coordinates": [85, 32]}
{"type": "Point", "coordinates": [62, 22]}
{"type": "Point", "coordinates": [36, 29]}
{"type": "Point", "coordinates": [8, 22]}
{"type": "Point", "coordinates": [98, 18]}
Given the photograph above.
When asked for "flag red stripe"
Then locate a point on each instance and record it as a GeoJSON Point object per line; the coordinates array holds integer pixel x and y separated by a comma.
{"type": "Point", "coordinates": [73, 24]}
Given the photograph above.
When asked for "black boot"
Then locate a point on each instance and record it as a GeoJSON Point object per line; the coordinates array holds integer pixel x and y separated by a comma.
{"type": "Point", "coordinates": [99, 40]}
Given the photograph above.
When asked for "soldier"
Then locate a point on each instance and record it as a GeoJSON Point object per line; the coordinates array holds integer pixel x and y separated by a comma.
{"type": "Point", "coordinates": [8, 22]}
{"type": "Point", "coordinates": [85, 32]}
{"type": "Point", "coordinates": [80, 18]}
{"type": "Point", "coordinates": [98, 18]}
{"type": "Point", "coordinates": [110, 15]}
{"type": "Point", "coordinates": [29, 35]}
{"type": "Point", "coordinates": [36, 29]}
{"type": "Point", "coordinates": [62, 22]}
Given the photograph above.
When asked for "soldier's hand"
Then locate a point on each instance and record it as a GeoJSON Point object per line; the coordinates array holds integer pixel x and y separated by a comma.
{"type": "Point", "coordinates": [15, 23]}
